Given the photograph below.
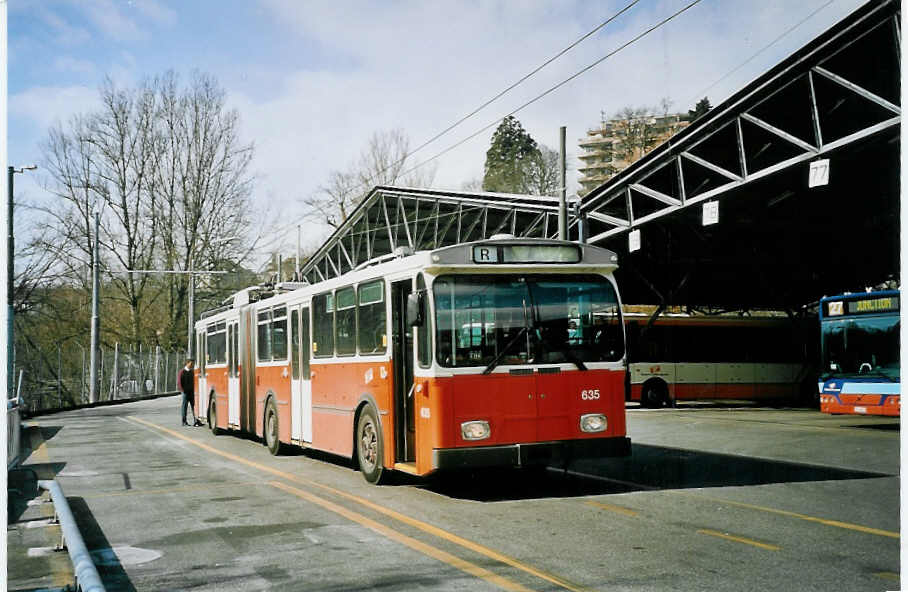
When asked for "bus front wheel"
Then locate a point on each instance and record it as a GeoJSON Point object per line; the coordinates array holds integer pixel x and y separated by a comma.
{"type": "Point", "coordinates": [369, 445]}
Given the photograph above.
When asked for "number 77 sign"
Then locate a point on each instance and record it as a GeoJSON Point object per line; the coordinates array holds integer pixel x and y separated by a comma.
{"type": "Point", "coordinates": [819, 173]}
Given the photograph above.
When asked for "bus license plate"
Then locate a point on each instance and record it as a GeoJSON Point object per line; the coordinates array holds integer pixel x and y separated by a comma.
{"type": "Point", "coordinates": [860, 410]}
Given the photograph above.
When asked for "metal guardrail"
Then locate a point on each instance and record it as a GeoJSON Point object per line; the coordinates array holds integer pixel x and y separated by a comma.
{"type": "Point", "coordinates": [87, 578]}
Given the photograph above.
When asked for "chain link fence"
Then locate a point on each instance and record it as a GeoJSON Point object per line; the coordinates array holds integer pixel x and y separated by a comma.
{"type": "Point", "coordinates": [61, 379]}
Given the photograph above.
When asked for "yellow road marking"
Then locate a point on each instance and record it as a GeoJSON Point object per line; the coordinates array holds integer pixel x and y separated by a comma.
{"type": "Point", "coordinates": [434, 552]}
{"type": "Point", "coordinates": [836, 523]}
{"type": "Point", "coordinates": [827, 522]}
{"type": "Point", "coordinates": [611, 508]}
{"type": "Point", "coordinates": [425, 527]}
{"type": "Point", "coordinates": [738, 539]}
{"type": "Point", "coordinates": [887, 575]}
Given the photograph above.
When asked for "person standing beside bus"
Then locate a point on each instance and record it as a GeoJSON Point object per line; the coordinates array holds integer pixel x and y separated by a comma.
{"type": "Point", "coordinates": [186, 380]}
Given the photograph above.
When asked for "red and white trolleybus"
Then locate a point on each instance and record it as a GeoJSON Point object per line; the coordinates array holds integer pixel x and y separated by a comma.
{"type": "Point", "coordinates": [501, 352]}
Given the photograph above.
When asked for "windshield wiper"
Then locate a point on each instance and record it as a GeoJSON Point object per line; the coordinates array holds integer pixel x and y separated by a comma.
{"type": "Point", "coordinates": [567, 352]}
{"type": "Point", "coordinates": [525, 330]}
{"type": "Point", "coordinates": [505, 349]}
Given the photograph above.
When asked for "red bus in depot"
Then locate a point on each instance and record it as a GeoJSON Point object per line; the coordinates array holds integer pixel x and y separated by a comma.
{"type": "Point", "coordinates": [501, 352]}
{"type": "Point", "coordinates": [681, 356]}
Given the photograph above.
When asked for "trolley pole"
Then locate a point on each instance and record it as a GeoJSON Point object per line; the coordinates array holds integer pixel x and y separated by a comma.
{"type": "Point", "coordinates": [95, 314]}
{"type": "Point", "coordinates": [562, 194]}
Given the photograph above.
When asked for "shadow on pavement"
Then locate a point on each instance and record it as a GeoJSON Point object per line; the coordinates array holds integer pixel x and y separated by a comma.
{"type": "Point", "coordinates": [647, 468]}
{"type": "Point", "coordinates": [111, 571]}
{"type": "Point", "coordinates": [22, 486]}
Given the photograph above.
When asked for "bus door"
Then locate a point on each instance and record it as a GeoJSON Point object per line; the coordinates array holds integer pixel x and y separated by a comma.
{"type": "Point", "coordinates": [247, 369]}
{"type": "Point", "coordinates": [300, 384]}
{"type": "Point", "coordinates": [202, 404]}
{"type": "Point", "coordinates": [233, 374]}
{"type": "Point", "coordinates": [402, 359]}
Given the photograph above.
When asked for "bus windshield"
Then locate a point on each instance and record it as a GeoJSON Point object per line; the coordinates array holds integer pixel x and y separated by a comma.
{"type": "Point", "coordinates": [863, 346]}
{"type": "Point", "coordinates": [486, 320]}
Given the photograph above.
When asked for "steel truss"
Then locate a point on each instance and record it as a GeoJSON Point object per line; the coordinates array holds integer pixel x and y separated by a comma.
{"type": "Point", "coordinates": [842, 88]}
{"type": "Point", "coordinates": [419, 219]}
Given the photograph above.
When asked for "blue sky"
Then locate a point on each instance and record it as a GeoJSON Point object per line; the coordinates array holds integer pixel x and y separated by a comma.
{"type": "Point", "coordinates": [313, 80]}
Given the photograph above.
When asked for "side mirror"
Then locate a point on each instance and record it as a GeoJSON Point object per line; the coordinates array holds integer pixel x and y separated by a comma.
{"type": "Point", "coordinates": [416, 309]}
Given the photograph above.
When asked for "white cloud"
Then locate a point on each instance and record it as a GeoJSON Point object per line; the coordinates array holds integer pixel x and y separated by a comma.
{"type": "Point", "coordinates": [111, 21]}
{"type": "Point", "coordinates": [421, 66]}
{"type": "Point", "coordinates": [45, 105]}
{"type": "Point", "coordinates": [155, 11]}
{"type": "Point", "coordinates": [69, 64]}
{"type": "Point", "coordinates": [64, 33]}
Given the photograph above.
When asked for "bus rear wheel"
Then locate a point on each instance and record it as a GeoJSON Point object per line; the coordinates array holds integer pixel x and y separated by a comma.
{"type": "Point", "coordinates": [653, 395]}
{"type": "Point", "coordinates": [272, 429]}
{"type": "Point", "coordinates": [213, 418]}
{"type": "Point", "coordinates": [369, 445]}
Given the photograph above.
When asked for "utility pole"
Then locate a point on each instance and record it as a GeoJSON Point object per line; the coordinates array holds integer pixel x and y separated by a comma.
{"type": "Point", "coordinates": [562, 194]}
{"type": "Point", "coordinates": [95, 314]}
{"type": "Point", "coordinates": [10, 280]}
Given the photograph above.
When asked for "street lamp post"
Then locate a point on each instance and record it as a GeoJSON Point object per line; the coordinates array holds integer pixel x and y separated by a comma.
{"type": "Point", "coordinates": [10, 280]}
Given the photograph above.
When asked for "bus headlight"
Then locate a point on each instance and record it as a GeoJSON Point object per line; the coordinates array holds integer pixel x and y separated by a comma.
{"type": "Point", "coordinates": [593, 422]}
{"type": "Point", "coordinates": [475, 430]}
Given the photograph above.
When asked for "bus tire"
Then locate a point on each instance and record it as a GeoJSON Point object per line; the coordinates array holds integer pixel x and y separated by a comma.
{"type": "Point", "coordinates": [369, 445]}
{"type": "Point", "coordinates": [213, 417]}
{"type": "Point", "coordinates": [653, 395]}
{"type": "Point", "coordinates": [271, 428]}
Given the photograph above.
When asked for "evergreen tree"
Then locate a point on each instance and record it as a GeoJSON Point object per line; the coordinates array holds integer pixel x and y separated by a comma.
{"type": "Point", "coordinates": [510, 159]}
{"type": "Point", "coordinates": [701, 108]}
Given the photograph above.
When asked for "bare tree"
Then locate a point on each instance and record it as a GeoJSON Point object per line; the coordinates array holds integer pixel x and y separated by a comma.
{"type": "Point", "coordinates": [544, 172]}
{"type": "Point", "coordinates": [384, 161]}
{"type": "Point", "coordinates": [202, 183]}
{"type": "Point", "coordinates": [104, 162]}
{"type": "Point", "coordinates": [166, 169]}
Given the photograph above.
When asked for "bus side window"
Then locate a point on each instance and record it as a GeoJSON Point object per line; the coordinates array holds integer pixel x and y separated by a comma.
{"type": "Point", "coordinates": [323, 325]}
{"type": "Point", "coordinates": [263, 344]}
{"type": "Point", "coordinates": [304, 329]}
{"type": "Point", "coordinates": [424, 331]}
{"type": "Point", "coordinates": [373, 330]}
{"type": "Point", "coordinates": [279, 334]}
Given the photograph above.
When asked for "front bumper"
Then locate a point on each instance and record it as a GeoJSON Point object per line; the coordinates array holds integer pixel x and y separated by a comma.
{"type": "Point", "coordinates": [531, 454]}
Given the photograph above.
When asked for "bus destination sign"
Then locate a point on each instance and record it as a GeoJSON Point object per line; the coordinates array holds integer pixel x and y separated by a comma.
{"type": "Point", "coordinates": [884, 304]}
{"type": "Point", "coordinates": [526, 254]}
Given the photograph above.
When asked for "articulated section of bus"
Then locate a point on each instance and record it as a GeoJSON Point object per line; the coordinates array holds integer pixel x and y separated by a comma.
{"type": "Point", "coordinates": [860, 354]}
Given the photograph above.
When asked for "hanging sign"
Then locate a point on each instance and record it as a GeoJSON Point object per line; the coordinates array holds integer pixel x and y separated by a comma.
{"type": "Point", "coordinates": [710, 213]}
{"type": "Point", "coordinates": [633, 241]}
{"type": "Point", "coordinates": [819, 173]}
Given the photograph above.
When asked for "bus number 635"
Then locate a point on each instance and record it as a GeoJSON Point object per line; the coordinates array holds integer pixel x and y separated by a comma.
{"type": "Point", "coordinates": [590, 395]}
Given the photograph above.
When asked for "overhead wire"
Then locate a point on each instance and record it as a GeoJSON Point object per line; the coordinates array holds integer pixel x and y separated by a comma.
{"type": "Point", "coordinates": [553, 88]}
{"type": "Point", "coordinates": [557, 86]}
{"type": "Point", "coordinates": [488, 102]}
{"type": "Point", "coordinates": [519, 82]}
{"type": "Point", "coordinates": [788, 31]}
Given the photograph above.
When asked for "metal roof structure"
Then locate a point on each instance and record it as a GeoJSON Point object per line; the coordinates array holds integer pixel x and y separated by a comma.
{"type": "Point", "coordinates": [390, 218]}
{"type": "Point", "coordinates": [778, 241]}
